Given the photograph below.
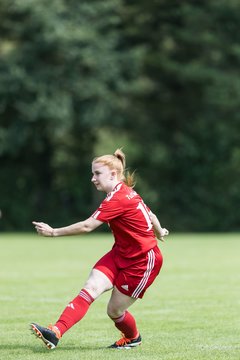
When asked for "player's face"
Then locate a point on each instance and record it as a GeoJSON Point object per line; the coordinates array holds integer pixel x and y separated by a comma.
{"type": "Point", "coordinates": [103, 178]}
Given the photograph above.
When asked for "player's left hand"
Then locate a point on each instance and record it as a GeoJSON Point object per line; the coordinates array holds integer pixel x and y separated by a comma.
{"type": "Point", "coordinates": [162, 232]}
{"type": "Point", "coordinates": [43, 229]}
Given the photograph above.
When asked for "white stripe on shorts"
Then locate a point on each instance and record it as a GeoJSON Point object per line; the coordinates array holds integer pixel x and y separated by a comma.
{"type": "Point", "coordinates": [143, 282]}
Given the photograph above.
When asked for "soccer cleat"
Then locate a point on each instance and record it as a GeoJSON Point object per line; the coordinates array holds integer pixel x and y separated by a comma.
{"type": "Point", "coordinates": [125, 343]}
{"type": "Point", "coordinates": [50, 335]}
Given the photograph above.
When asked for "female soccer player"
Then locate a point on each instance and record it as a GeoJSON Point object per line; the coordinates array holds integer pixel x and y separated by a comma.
{"type": "Point", "coordinates": [129, 268]}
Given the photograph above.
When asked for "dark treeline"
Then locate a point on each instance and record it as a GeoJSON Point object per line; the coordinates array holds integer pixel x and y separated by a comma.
{"type": "Point", "coordinates": [160, 78]}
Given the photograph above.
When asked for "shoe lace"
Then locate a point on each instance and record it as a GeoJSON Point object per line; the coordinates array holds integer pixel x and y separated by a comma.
{"type": "Point", "coordinates": [123, 341]}
{"type": "Point", "coordinates": [55, 330]}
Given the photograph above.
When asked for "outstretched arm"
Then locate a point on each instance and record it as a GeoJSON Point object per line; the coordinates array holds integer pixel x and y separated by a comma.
{"type": "Point", "coordinates": [81, 227]}
{"type": "Point", "coordinates": [158, 230]}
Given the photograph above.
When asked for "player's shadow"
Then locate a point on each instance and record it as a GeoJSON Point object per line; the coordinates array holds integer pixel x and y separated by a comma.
{"type": "Point", "coordinates": [42, 350]}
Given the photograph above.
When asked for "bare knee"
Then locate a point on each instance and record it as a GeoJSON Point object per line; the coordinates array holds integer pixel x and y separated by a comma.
{"type": "Point", "coordinates": [113, 311]}
{"type": "Point", "coordinates": [93, 289]}
{"type": "Point", "coordinates": [97, 283]}
{"type": "Point", "coordinates": [118, 304]}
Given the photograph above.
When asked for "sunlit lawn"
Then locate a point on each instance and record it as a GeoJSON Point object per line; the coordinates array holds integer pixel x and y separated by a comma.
{"type": "Point", "coordinates": [192, 311]}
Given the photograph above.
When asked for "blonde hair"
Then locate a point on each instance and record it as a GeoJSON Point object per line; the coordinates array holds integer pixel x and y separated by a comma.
{"type": "Point", "coordinates": [117, 162]}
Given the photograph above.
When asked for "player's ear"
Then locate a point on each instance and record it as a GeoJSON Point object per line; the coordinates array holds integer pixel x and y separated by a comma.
{"type": "Point", "coordinates": [113, 174]}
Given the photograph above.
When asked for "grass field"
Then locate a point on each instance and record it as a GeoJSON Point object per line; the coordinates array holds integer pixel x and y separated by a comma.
{"type": "Point", "coordinates": [191, 312]}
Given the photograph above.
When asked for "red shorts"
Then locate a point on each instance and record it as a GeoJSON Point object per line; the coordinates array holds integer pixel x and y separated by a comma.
{"type": "Point", "coordinates": [132, 277]}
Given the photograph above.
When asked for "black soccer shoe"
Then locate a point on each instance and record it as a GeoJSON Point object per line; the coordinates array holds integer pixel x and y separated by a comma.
{"type": "Point", "coordinates": [48, 336]}
{"type": "Point", "coordinates": [125, 343]}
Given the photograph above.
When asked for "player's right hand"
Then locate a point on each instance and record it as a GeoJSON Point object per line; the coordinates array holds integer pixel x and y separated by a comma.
{"type": "Point", "coordinates": [43, 229]}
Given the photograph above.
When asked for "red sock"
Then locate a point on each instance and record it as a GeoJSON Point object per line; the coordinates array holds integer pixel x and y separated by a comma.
{"type": "Point", "coordinates": [127, 325]}
{"type": "Point", "coordinates": [74, 311]}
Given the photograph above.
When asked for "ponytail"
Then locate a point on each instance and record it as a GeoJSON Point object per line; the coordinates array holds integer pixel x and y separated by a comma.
{"type": "Point", "coordinates": [128, 177]}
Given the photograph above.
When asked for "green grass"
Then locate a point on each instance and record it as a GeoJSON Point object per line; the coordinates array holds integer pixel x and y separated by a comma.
{"type": "Point", "coordinates": [190, 312]}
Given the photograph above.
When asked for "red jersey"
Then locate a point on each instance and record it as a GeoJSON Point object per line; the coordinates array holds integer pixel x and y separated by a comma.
{"type": "Point", "coordinates": [128, 217]}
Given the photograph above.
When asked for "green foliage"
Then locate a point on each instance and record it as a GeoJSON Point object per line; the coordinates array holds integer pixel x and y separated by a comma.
{"type": "Point", "coordinates": [159, 77]}
{"type": "Point", "coordinates": [59, 66]}
{"type": "Point", "coordinates": [188, 119]}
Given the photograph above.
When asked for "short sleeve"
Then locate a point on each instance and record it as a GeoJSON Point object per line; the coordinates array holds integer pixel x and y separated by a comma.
{"type": "Point", "coordinates": [108, 210]}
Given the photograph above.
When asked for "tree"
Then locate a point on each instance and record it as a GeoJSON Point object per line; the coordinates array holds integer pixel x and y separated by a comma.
{"type": "Point", "coordinates": [59, 69]}
{"type": "Point", "coordinates": [186, 106]}
{"type": "Point", "coordinates": [164, 75]}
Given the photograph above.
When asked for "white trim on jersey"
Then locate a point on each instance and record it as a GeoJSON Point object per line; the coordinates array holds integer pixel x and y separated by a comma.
{"type": "Point", "coordinates": [95, 215]}
{"type": "Point", "coordinates": [110, 195]}
{"type": "Point", "coordinates": [143, 282]}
